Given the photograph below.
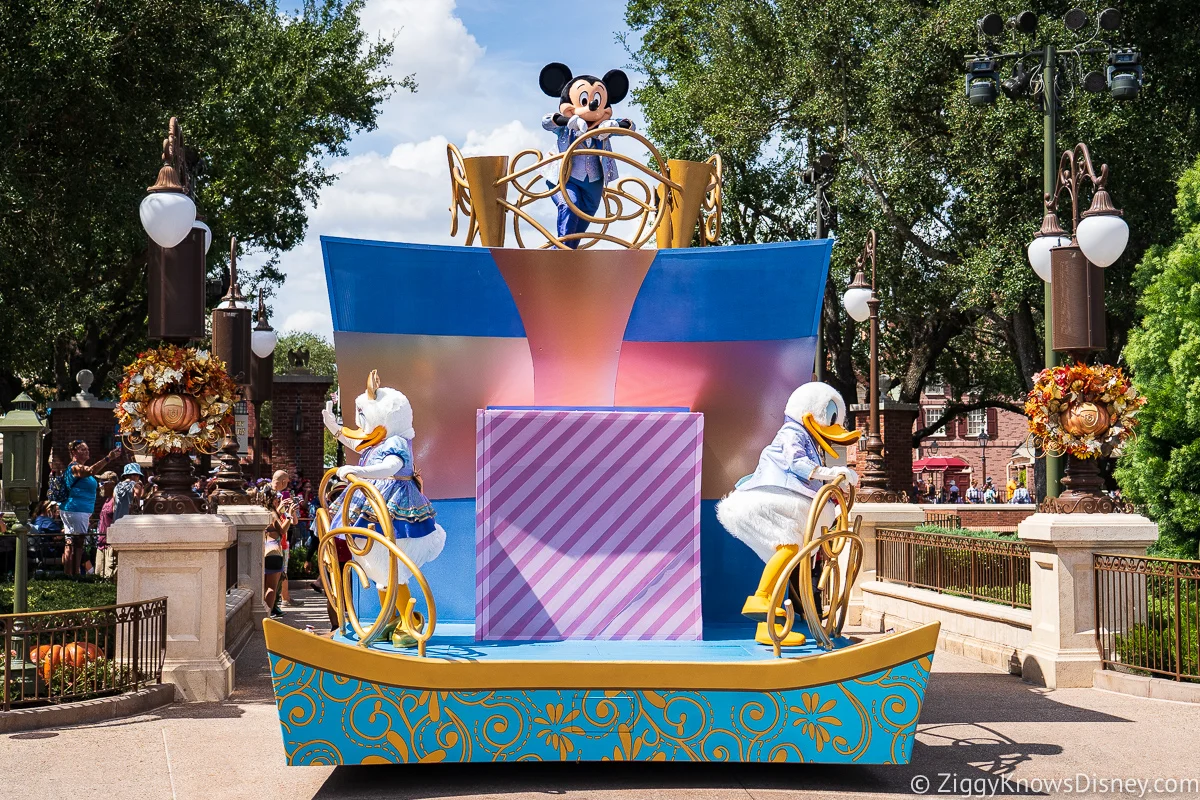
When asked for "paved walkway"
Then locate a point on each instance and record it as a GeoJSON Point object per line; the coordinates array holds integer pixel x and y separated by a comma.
{"type": "Point", "coordinates": [978, 726]}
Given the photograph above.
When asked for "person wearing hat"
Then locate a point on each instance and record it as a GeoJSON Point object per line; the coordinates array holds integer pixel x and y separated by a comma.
{"type": "Point", "coordinates": [989, 491]}
{"type": "Point", "coordinates": [128, 493]}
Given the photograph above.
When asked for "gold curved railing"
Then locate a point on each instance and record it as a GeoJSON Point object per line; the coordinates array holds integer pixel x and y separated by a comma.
{"type": "Point", "coordinates": [337, 581]}
{"type": "Point", "coordinates": [824, 619]}
{"type": "Point", "coordinates": [668, 208]}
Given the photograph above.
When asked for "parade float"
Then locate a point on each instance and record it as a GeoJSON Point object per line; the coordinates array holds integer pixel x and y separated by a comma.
{"type": "Point", "coordinates": [526, 561]}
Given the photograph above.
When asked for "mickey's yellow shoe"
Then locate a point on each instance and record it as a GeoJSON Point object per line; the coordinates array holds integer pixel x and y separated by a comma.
{"type": "Point", "coordinates": [793, 639]}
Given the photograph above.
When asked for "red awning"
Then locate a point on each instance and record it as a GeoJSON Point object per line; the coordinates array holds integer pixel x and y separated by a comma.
{"type": "Point", "coordinates": [939, 464]}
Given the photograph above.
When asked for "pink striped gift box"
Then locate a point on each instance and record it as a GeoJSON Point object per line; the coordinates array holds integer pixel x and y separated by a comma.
{"type": "Point", "coordinates": [587, 524]}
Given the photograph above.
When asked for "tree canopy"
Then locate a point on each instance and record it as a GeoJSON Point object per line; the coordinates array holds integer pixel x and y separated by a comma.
{"type": "Point", "coordinates": [1161, 470]}
{"type": "Point", "coordinates": [262, 94]}
{"type": "Point", "coordinates": [954, 190]}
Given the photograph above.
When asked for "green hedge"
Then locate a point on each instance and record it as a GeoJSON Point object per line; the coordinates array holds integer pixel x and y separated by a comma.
{"type": "Point", "coordinates": [980, 534]}
{"type": "Point", "coordinates": [57, 595]}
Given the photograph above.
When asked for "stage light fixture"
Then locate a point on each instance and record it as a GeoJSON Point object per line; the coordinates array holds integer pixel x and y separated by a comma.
{"type": "Point", "coordinates": [1124, 74]}
{"type": "Point", "coordinates": [1094, 82]}
{"type": "Point", "coordinates": [1076, 19]}
{"type": "Point", "coordinates": [981, 81]}
{"type": "Point", "coordinates": [1018, 85]}
{"type": "Point", "coordinates": [991, 25]}
{"type": "Point", "coordinates": [1110, 19]}
{"type": "Point", "coordinates": [1025, 22]}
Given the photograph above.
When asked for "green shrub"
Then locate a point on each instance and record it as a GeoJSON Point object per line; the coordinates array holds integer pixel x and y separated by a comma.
{"type": "Point", "coordinates": [301, 564]}
{"type": "Point", "coordinates": [101, 676]}
{"type": "Point", "coordinates": [58, 595]}
{"type": "Point", "coordinates": [1152, 644]}
{"type": "Point", "coordinates": [979, 534]}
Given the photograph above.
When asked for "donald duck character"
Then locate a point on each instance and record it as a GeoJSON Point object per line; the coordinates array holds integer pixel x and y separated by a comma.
{"type": "Point", "coordinates": [767, 510]}
{"type": "Point", "coordinates": [384, 442]}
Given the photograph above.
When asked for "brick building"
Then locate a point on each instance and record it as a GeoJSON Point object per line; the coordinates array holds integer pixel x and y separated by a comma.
{"type": "Point", "coordinates": [297, 434]}
{"type": "Point", "coordinates": [1003, 446]}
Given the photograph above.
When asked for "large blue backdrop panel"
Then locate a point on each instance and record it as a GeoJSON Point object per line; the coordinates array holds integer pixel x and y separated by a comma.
{"type": "Point", "coordinates": [726, 331]}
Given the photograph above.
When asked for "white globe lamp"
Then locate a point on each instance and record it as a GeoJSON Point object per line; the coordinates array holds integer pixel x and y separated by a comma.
{"type": "Point", "coordinates": [168, 217]}
{"type": "Point", "coordinates": [1039, 253]}
{"type": "Point", "coordinates": [207, 234]}
{"type": "Point", "coordinates": [1102, 238]}
{"type": "Point", "coordinates": [856, 299]}
{"type": "Point", "coordinates": [263, 342]}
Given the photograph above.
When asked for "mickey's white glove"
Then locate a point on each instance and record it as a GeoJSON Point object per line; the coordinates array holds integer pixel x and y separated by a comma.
{"type": "Point", "coordinates": [577, 124]}
{"type": "Point", "coordinates": [828, 474]}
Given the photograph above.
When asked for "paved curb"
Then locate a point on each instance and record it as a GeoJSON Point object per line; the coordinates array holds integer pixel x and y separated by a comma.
{"type": "Point", "coordinates": [1143, 686]}
{"type": "Point", "coordinates": [84, 712]}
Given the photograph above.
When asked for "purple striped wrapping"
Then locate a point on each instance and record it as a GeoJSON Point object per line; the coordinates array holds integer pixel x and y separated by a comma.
{"type": "Point", "coordinates": [587, 524]}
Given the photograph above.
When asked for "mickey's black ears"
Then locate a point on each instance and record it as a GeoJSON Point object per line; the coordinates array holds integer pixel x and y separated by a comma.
{"type": "Point", "coordinates": [554, 78]}
{"type": "Point", "coordinates": [617, 83]}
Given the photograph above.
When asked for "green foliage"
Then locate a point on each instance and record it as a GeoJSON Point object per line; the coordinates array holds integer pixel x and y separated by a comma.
{"type": "Point", "coordinates": [977, 533]}
{"type": "Point", "coordinates": [321, 358]}
{"type": "Point", "coordinates": [301, 564]}
{"type": "Point", "coordinates": [59, 595]}
{"type": "Point", "coordinates": [954, 190]}
{"type": "Point", "coordinates": [96, 677]}
{"type": "Point", "coordinates": [1152, 643]}
{"type": "Point", "coordinates": [1161, 470]}
{"type": "Point", "coordinates": [265, 97]}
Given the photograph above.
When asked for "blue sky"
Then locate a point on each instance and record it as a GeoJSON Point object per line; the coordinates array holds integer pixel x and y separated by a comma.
{"type": "Point", "coordinates": [476, 63]}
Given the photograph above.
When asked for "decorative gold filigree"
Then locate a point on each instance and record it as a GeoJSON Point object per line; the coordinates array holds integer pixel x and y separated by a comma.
{"type": "Point", "coordinates": [337, 582]}
{"type": "Point", "coordinates": [645, 202]}
{"type": "Point", "coordinates": [826, 618]}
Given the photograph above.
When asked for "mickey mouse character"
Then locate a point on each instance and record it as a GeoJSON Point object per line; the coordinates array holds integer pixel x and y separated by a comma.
{"type": "Point", "coordinates": [585, 103]}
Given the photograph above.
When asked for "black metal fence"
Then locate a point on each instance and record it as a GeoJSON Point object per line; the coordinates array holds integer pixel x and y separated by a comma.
{"type": "Point", "coordinates": [1148, 615]}
{"type": "Point", "coordinates": [966, 566]}
{"type": "Point", "coordinates": [60, 656]}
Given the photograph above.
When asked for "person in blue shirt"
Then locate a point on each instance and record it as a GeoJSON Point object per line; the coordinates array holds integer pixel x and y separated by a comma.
{"type": "Point", "coordinates": [585, 104]}
{"type": "Point", "coordinates": [77, 511]}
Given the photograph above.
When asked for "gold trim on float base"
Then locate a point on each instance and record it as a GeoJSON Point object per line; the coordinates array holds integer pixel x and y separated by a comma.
{"type": "Point", "coordinates": [431, 672]}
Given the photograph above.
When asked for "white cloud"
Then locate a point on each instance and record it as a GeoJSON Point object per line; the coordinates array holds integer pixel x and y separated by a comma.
{"type": "Point", "coordinates": [395, 186]}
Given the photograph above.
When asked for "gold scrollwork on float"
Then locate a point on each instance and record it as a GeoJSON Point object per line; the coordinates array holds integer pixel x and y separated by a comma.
{"type": "Point", "coordinates": [337, 581]}
{"type": "Point", "coordinates": [839, 568]}
{"type": "Point", "coordinates": [665, 204]}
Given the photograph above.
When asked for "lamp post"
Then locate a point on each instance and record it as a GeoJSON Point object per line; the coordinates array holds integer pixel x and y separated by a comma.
{"type": "Point", "coordinates": [22, 430]}
{"type": "Point", "coordinates": [262, 374]}
{"type": "Point", "coordinates": [1036, 73]}
{"type": "Point", "coordinates": [231, 342]}
{"type": "Point", "coordinates": [862, 303]}
{"type": "Point", "coordinates": [176, 273]}
{"type": "Point", "coordinates": [983, 442]}
{"type": "Point", "coordinates": [1099, 236]}
{"type": "Point", "coordinates": [820, 176]}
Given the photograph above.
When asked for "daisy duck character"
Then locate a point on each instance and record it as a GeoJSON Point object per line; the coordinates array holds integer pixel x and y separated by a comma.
{"type": "Point", "coordinates": [585, 104]}
{"type": "Point", "coordinates": [767, 510]}
{"type": "Point", "coordinates": [384, 442]}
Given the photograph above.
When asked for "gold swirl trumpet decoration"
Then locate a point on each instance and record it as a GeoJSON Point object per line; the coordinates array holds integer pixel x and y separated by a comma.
{"type": "Point", "coordinates": [839, 569]}
{"type": "Point", "coordinates": [337, 581]}
{"type": "Point", "coordinates": [665, 204]}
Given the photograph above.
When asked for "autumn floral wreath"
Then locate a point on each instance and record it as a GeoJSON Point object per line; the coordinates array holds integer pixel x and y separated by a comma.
{"type": "Point", "coordinates": [1083, 411]}
{"type": "Point", "coordinates": [176, 399]}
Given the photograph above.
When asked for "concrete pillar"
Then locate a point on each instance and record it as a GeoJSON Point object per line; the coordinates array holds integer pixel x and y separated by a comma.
{"type": "Point", "coordinates": [1062, 652]}
{"type": "Point", "coordinates": [181, 557]}
{"type": "Point", "coordinates": [877, 515]}
{"type": "Point", "coordinates": [249, 522]}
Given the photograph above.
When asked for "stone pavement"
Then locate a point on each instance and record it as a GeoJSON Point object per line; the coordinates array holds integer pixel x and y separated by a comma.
{"type": "Point", "coordinates": [978, 725]}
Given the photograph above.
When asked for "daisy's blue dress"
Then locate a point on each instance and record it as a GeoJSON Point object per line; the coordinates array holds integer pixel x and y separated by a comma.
{"type": "Point", "coordinates": [412, 514]}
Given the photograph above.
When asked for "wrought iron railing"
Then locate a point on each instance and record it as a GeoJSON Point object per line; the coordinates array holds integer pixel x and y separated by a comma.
{"type": "Point", "coordinates": [943, 519]}
{"type": "Point", "coordinates": [993, 570]}
{"type": "Point", "coordinates": [60, 656]}
{"type": "Point", "coordinates": [1148, 615]}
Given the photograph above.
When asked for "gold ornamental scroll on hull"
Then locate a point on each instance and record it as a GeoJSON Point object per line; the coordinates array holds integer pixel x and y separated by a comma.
{"type": "Point", "coordinates": [675, 206]}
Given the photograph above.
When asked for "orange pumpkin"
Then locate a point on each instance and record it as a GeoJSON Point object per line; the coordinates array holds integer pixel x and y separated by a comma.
{"type": "Point", "coordinates": [47, 657]}
{"type": "Point", "coordinates": [78, 654]}
{"type": "Point", "coordinates": [176, 412]}
{"type": "Point", "coordinates": [1085, 418]}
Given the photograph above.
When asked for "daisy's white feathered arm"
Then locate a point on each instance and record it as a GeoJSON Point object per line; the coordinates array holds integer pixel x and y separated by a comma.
{"type": "Point", "coordinates": [386, 468]}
